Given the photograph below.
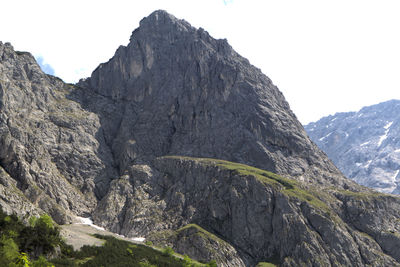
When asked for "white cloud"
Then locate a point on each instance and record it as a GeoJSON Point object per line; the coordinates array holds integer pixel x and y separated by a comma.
{"type": "Point", "coordinates": [325, 56]}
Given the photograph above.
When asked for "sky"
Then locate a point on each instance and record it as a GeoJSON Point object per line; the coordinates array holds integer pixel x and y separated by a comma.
{"type": "Point", "coordinates": [325, 56]}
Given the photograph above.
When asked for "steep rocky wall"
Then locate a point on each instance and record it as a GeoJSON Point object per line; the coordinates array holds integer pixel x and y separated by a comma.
{"type": "Point", "coordinates": [263, 216]}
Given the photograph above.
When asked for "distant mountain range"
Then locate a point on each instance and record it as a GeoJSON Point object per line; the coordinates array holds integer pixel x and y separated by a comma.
{"type": "Point", "coordinates": [364, 145]}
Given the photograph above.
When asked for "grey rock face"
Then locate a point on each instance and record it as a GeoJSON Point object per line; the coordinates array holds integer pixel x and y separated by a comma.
{"type": "Point", "coordinates": [12, 200]}
{"type": "Point", "coordinates": [49, 145]}
{"type": "Point", "coordinates": [100, 148]}
{"type": "Point", "coordinates": [199, 244]}
{"type": "Point", "coordinates": [260, 219]}
{"type": "Point", "coordinates": [365, 145]}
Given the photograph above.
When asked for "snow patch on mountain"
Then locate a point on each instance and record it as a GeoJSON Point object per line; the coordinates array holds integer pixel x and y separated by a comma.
{"type": "Point", "coordinates": [384, 136]}
{"type": "Point", "coordinates": [88, 221]}
{"type": "Point", "coordinates": [326, 136]}
{"type": "Point", "coordinates": [364, 145]}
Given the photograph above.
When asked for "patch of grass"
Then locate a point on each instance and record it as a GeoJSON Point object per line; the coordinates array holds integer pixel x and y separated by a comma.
{"type": "Point", "coordinates": [305, 195]}
{"type": "Point", "coordinates": [168, 251]}
{"type": "Point", "coordinates": [116, 252]}
{"type": "Point", "coordinates": [166, 237]}
{"type": "Point", "coordinates": [242, 169]}
{"type": "Point", "coordinates": [201, 232]}
{"type": "Point", "coordinates": [363, 195]}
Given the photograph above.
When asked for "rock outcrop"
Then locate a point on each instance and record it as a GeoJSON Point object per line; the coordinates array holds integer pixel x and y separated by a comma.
{"type": "Point", "coordinates": [365, 145]}
{"type": "Point", "coordinates": [105, 148]}
{"type": "Point", "coordinates": [49, 145]}
{"type": "Point", "coordinates": [199, 244]}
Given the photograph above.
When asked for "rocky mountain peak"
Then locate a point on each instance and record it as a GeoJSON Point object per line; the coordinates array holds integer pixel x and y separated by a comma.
{"type": "Point", "coordinates": [185, 92]}
{"type": "Point", "coordinates": [162, 21]}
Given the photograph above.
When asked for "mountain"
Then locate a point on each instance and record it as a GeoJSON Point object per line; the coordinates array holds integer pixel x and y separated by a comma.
{"type": "Point", "coordinates": [179, 139]}
{"type": "Point", "coordinates": [364, 145]}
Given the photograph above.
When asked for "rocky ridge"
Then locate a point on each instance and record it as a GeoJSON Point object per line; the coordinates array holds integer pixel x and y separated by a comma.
{"type": "Point", "coordinates": [175, 90]}
{"type": "Point", "coordinates": [105, 147]}
{"type": "Point", "coordinates": [365, 145]}
{"type": "Point", "coordinates": [48, 142]}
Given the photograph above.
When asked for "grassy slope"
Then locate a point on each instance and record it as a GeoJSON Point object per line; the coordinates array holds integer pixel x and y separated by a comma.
{"type": "Point", "coordinates": [290, 187]}
{"type": "Point", "coordinates": [116, 252]}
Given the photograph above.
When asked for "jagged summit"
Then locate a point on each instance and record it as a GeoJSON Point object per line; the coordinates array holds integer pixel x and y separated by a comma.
{"type": "Point", "coordinates": [161, 18]}
{"type": "Point", "coordinates": [194, 95]}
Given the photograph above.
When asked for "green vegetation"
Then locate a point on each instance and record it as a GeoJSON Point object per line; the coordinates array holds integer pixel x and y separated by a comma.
{"type": "Point", "coordinates": [29, 245]}
{"type": "Point", "coordinates": [116, 252]}
{"type": "Point", "coordinates": [364, 195]}
{"type": "Point", "coordinates": [19, 242]}
{"type": "Point", "coordinates": [148, 243]}
{"type": "Point", "coordinates": [201, 232]}
{"type": "Point", "coordinates": [242, 169]}
{"type": "Point", "coordinates": [168, 251]}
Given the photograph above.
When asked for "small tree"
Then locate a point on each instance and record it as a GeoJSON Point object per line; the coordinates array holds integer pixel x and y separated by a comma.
{"type": "Point", "coordinates": [21, 261]}
{"type": "Point", "coordinates": [41, 237]}
{"type": "Point", "coordinates": [8, 251]}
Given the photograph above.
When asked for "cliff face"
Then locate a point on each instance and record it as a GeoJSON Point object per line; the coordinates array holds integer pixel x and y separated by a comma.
{"type": "Point", "coordinates": [48, 143]}
{"type": "Point", "coordinates": [105, 147]}
{"type": "Point", "coordinates": [365, 145]}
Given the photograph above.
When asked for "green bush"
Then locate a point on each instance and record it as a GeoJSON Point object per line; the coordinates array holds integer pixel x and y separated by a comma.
{"type": "Point", "coordinates": [19, 241]}
{"type": "Point", "coordinates": [168, 251]}
{"type": "Point", "coordinates": [41, 262]}
{"type": "Point", "coordinates": [188, 262]}
{"type": "Point", "coordinates": [8, 251]}
{"type": "Point", "coordinates": [42, 237]}
{"type": "Point", "coordinates": [21, 261]}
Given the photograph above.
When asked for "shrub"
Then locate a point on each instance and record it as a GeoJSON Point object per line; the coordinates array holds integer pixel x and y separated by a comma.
{"type": "Point", "coordinates": [8, 251]}
{"type": "Point", "coordinates": [187, 261]}
{"type": "Point", "coordinates": [168, 251]}
{"type": "Point", "coordinates": [212, 263]}
{"type": "Point", "coordinates": [42, 237]}
{"type": "Point", "coordinates": [22, 260]}
{"type": "Point", "coordinates": [41, 262]}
